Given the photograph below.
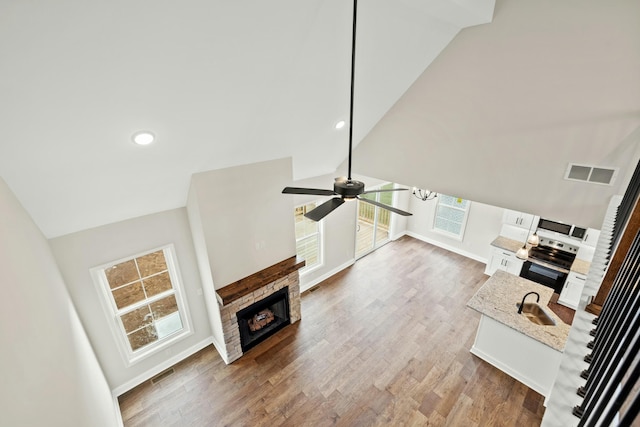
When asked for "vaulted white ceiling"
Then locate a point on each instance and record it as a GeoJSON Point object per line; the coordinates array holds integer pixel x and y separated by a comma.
{"type": "Point", "coordinates": [498, 116]}
{"type": "Point", "coordinates": [224, 83]}
{"type": "Point", "coordinates": [220, 83]}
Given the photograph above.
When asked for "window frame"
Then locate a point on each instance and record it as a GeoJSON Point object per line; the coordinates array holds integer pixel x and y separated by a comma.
{"type": "Point", "coordinates": [319, 233]}
{"type": "Point", "coordinates": [113, 314]}
{"type": "Point", "coordinates": [463, 223]}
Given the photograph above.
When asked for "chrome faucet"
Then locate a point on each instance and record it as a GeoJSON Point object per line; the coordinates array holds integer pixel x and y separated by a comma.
{"type": "Point", "coordinates": [525, 297]}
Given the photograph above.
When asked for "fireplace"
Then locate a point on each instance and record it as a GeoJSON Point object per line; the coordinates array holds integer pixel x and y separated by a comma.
{"type": "Point", "coordinates": [264, 318]}
{"type": "Point", "coordinates": [269, 299]}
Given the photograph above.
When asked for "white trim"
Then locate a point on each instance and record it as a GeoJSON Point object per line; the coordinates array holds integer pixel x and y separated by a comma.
{"type": "Point", "coordinates": [447, 247]}
{"type": "Point", "coordinates": [526, 380]}
{"type": "Point", "coordinates": [399, 235]}
{"type": "Point", "coordinates": [112, 313]}
{"type": "Point", "coordinates": [376, 216]}
{"type": "Point", "coordinates": [139, 379]}
{"type": "Point", "coordinates": [306, 286]}
{"type": "Point", "coordinates": [463, 223]}
{"type": "Point", "coordinates": [116, 407]}
{"type": "Point", "coordinates": [221, 350]}
{"type": "Point", "coordinates": [520, 356]}
{"type": "Point", "coordinates": [319, 233]}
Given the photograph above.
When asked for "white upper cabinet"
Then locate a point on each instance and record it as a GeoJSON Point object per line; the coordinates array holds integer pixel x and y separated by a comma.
{"type": "Point", "coordinates": [519, 219]}
{"type": "Point", "coordinates": [591, 237]}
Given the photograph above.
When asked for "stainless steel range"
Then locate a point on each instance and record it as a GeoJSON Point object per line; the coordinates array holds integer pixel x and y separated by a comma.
{"type": "Point", "coordinates": [549, 263]}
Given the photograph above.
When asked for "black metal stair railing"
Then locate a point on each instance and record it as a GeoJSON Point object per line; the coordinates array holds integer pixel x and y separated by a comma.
{"type": "Point", "coordinates": [614, 367]}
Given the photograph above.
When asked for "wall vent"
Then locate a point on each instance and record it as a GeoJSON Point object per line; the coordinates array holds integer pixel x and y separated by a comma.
{"type": "Point", "coordinates": [591, 174]}
{"type": "Point", "coordinates": [162, 375]}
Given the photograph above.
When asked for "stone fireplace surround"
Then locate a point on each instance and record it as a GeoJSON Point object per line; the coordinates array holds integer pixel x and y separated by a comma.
{"type": "Point", "coordinates": [241, 294]}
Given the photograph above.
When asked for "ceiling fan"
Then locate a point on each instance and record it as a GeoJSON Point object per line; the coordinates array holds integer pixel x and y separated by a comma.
{"type": "Point", "coordinates": [344, 187]}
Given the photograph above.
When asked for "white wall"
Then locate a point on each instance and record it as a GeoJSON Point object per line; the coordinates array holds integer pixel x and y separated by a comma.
{"type": "Point", "coordinates": [78, 252]}
{"type": "Point", "coordinates": [202, 256]}
{"type": "Point", "coordinates": [493, 110]}
{"type": "Point", "coordinates": [240, 224]}
{"type": "Point", "coordinates": [483, 225]}
{"type": "Point", "coordinates": [50, 375]}
{"type": "Point", "coordinates": [245, 219]}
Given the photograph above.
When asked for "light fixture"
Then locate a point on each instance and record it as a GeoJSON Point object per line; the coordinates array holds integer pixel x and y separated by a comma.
{"type": "Point", "coordinates": [143, 138]}
{"type": "Point", "coordinates": [523, 252]}
{"type": "Point", "coordinates": [340, 124]}
{"type": "Point", "coordinates": [534, 240]}
{"type": "Point", "coordinates": [424, 194]}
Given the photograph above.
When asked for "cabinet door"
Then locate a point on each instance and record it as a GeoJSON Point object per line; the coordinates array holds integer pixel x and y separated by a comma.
{"type": "Point", "coordinates": [572, 290]}
{"type": "Point", "coordinates": [591, 237]}
{"type": "Point", "coordinates": [514, 265]}
{"type": "Point", "coordinates": [519, 219]}
{"type": "Point", "coordinates": [503, 260]}
{"type": "Point", "coordinates": [494, 262]}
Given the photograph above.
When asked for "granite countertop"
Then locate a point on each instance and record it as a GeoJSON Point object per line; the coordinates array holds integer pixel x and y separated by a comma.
{"type": "Point", "coordinates": [498, 299]}
{"type": "Point", "coordinates": [506, 244]}
{"type": "Point", "coordinates": [579, 266]}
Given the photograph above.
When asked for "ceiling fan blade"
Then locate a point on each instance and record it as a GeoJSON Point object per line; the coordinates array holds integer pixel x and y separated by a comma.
{"type": "Point", "coordinates": [324, 209]}
{"type": "Point", "coordinates": [311, 191]}
{"type": "Point", "coordinates": [387, 207]}
{"type": "Point", "coordinates": [384, 190]}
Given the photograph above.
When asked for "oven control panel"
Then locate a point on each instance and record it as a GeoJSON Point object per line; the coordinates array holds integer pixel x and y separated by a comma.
{"type": "Point", "coordinates": [557, 244]}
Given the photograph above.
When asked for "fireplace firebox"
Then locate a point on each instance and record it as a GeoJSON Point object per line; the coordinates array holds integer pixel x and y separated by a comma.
{"type": "Point", "coordinates": [263, 318]}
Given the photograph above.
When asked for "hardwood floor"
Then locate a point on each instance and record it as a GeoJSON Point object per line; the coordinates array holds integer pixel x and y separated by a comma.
{"type": "Point", "coordinates": [385, 342]}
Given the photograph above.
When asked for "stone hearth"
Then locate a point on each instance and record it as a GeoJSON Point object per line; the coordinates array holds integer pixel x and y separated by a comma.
{"type": "Point", "coordinates": [241, 294]}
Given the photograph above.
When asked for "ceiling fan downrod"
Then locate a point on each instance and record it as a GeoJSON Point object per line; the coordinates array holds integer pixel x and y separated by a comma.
{"type": "Point", "coordinates": [353, 77]}
{"type": "Point", "coordinates": [345, 188]}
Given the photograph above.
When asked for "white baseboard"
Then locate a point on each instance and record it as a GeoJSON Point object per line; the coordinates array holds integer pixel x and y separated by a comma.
{"type": "Point", "coordinates": [519, 376]}
{"type": "Point", "coordinates": [397, 236]}
{"type": "Point", "coordinates": [447, 247]}
{"type": "Point", "coordinates": [306, 286]}
{"type": "Point", "coordinates": [220, 348]}
{"type": "Point", "coordinates": [117, 391]}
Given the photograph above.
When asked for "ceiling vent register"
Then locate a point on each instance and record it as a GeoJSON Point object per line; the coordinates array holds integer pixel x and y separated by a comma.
{"type": "Point", "coordinates": [591, 174]}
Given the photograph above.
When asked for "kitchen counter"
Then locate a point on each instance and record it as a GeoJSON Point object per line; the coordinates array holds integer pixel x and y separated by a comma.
{"type": "Point", "coordinates": [526, 351]}
{"type": "Point", "coordinates": [579, 266]}
{"type": "Point", "coordinates": [498, 299]}
{"type": "Point", "coordinates": [506, 244]}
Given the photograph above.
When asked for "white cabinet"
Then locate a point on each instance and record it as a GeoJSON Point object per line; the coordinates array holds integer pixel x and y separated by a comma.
{"type": "Point", "coordinates": [572, 290]}
{"type": "Point", "coordinates": [591, 237]}
{"type": "Point", "coordinates": [503, 260]}
{"type": "Point", "coordinates": [519, 219]}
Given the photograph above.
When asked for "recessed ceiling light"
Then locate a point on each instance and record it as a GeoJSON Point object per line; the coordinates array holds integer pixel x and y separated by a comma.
{"type": "Point", "coordinates": [340, 124]}
{"type": "Point", "coordinates": [143, 138]}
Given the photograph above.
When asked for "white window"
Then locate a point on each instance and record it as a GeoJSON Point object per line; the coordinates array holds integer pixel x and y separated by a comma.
{"type": "Point", "coordinates": [308, 237]}
{"type": "Point", "coordinates": [142, 297]}
{"type": "Point", "coordinates": [451, 216]}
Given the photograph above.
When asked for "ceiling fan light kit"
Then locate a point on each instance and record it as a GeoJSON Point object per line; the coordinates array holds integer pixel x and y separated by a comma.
{"type": "Point", "coordinates": [346, 188]}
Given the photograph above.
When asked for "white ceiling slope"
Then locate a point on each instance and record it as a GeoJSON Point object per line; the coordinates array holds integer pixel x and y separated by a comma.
{"type": "Point", "coordinates": [220, 83]}
{"type": "Point", "coordinates": [501, 112]}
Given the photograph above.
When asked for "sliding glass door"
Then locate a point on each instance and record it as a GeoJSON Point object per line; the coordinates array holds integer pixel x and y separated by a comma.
{"type": "Point", "coordinates": [372, 230]}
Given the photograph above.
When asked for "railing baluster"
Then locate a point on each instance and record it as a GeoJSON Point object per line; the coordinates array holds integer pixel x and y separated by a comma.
{"type": "Point", "coordinates": [611, 358]}
{"type": "Point", "coordinates": [600, 395]}
{"type": "Point", "coordinates": [625, 391]}
{"type": "Point", "coordinates": [615, 315]}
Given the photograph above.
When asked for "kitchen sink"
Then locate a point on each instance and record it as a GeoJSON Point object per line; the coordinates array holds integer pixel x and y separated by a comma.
{"type": "Point", "coordinates": [536, 314]}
